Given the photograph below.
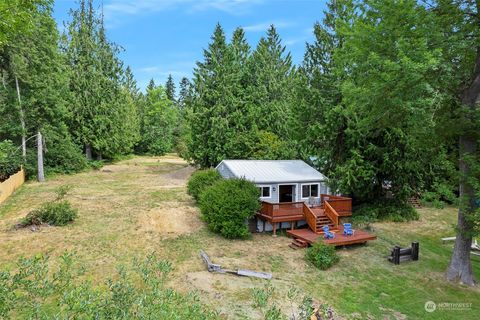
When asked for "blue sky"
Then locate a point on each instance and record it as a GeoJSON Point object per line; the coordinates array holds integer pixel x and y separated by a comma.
{"type": "Point", "coordinates": [162, 37]}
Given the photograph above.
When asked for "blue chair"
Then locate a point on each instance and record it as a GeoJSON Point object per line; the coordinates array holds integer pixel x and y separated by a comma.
{"type": "Point", "coordinates": [347, 229]}
{"type": "Point", "coordinates": [327, 233]}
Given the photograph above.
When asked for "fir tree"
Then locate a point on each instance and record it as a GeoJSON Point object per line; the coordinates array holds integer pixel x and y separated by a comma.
{"type": "Point", "coordinates": [170, 88]}
{"type": "Point", "coordinates": [103, 120]}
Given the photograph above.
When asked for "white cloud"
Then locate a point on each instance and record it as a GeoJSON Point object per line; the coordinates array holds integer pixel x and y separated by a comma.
{"type": "Point", "coordinates": [116, 9]}
{"type": "Point", "coordinates": [262, 27]}
{"type": "Point", "coordinates": [229, 6]}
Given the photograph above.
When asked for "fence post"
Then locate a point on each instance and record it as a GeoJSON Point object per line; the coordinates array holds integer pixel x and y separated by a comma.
{"type": "Point", "coordinates": [415, 250]}
{"type": "Point", "coordinates": [396, 255]}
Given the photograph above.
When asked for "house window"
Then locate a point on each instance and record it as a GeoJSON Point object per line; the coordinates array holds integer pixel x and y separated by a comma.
{"type": "Point", "coordinates": [310, 190]}
{"type": "Point", "coordinates": [264, 191]}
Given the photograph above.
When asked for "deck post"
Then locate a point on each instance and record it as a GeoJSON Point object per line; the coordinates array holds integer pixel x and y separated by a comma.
{"type": "Point", "coordinates": [263, 226]}
{"type": "Point", "coordinates": [293, 224]}
{"type": "Point", "coordinates": [274, 229]}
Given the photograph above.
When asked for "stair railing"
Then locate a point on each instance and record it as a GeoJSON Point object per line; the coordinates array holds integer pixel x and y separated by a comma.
{"type": "Point", "coordinates": [310, 217]}
{"type": "Point", "coordinates": [331, 213]}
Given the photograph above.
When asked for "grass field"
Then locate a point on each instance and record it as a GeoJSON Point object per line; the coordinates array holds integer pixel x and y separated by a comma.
{"type": "Point", "coordinates": [140, 205]}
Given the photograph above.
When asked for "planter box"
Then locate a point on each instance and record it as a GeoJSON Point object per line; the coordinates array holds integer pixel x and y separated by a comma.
{"type": "Point", "coordinates": [9, 186]}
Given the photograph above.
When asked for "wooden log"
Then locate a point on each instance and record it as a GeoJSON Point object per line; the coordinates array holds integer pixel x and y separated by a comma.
{"type": "Point", "coordinates": [210, 266]}
{"type": "Point", "coordinates": [256, 274]}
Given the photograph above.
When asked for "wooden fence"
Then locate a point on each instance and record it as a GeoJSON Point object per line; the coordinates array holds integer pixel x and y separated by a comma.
{"type": "Point", "coordinates": [9, 186]}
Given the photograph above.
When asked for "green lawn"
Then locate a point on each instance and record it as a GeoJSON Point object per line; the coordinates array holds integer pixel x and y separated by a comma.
{"type": "Point", "coordinates": [140, 205]}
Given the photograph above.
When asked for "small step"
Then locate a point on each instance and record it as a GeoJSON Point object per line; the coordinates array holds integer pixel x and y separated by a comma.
{"type": "Point", "coordinates": [298, 244]}
{"type": "Point", "coordinates": [301, 241]}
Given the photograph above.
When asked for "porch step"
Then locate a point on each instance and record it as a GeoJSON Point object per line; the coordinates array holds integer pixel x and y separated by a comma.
{"type": "Point", "coordinates": [298, 244]}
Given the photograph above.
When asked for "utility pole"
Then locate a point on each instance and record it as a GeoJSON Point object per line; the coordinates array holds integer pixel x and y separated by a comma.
{"type": "Point", "coordinates": [22, 120]}
{"type": "Point", "coordinates": [40, 172]}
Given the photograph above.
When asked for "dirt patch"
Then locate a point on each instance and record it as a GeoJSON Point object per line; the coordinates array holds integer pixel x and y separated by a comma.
{"type": "Point", "coordinates": [179, 176]}
{"type": "Point", "coordinates": [170, 220]}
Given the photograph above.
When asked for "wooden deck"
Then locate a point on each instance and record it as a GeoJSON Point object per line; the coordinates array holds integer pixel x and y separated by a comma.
{"type": "Point", "coordinates": [310, 237]}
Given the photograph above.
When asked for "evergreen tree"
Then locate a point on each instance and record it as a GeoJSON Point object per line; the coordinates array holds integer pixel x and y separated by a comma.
{"type": "Point", "coordinates": [185, 94]}
{"type": "Point", "coordinates": [158, 123]}
{"type": "Point", "coordinates": [271, 85]}
{"type": "Point", "coordinates": [17, 17]}
{"type": "Point", "coordinates": [37, 72]}
{"type": "Point", "coordinates": [319, 123]}
{"type": "Point", "coordinates": [208, 120]}
{"type": "Point", "coordinates": [170, 88]}
{"type": "Point", "coordinates": [102, 119]}
{"type": "Point", "coordinates": [456, 35]}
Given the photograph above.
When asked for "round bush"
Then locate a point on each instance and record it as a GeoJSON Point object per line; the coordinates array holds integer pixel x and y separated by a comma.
{"type": "Point", "coordinates": [321, 255]}
{"type": "Point", "coordinates": [226, 206]}
{"type": "Point", "coordinates": [201, 180]}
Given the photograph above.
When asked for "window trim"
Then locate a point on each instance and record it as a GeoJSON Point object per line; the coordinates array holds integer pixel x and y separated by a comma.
{"type": "Point", "coordinates": [310, 184]}
{"type": "Point", "coordinates": [261, 192]}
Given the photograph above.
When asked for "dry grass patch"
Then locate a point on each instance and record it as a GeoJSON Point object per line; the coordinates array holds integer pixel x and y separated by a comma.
{"type": "Point", "coordinates": [140, 205]}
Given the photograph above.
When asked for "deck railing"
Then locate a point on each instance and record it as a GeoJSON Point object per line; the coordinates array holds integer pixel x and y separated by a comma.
{"type": "Point", "coordinates": [281, 209]}
{"type": "Point", "coordinates": [342, 205]}
{"type": "Point", "coordinates": [331, 213]}
{"type": "Point", "coordinates": [310, 217]}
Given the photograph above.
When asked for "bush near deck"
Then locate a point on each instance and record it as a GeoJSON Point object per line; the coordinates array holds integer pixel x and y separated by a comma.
{"type": "Point", "coordinates": [227, 205]}
{"type": "Point", "coordinates": [321, 255]}
{"type": "Point", "coordinates": [201, 180]}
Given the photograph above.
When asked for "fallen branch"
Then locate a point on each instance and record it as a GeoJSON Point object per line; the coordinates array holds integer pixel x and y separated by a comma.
{"type": "Point", "coordinates": [212, 267]}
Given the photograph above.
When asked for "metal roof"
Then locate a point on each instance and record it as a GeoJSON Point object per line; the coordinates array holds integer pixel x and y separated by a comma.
{"type": "Point", "coordinates": [273, 171]}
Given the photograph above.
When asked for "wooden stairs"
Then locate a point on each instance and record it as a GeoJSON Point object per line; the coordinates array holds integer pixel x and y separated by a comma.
{"type": "Point", "coordinates": [321, 221]}
{"type": "Point", "coordinates": [414, 202]}
{"type": "Point", "coordinates": [298, 244]}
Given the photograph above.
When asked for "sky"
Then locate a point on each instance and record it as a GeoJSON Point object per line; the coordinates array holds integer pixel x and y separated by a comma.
{"type": "Point", "coordinates": [162, 37]}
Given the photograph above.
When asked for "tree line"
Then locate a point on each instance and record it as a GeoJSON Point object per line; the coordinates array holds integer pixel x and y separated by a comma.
{"type": "Point", "coordinates": [74, 89]}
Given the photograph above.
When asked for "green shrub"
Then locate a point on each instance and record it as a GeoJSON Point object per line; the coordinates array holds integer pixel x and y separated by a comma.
{"type": "Point", "coordinates": [10, 159]}
{"type": "Point", "coordinates": [228, 204]}
{"type": "Point", "coordinates": [384, 210]}
{"type": "Point", "coordinates": [201, 180]}
{"type": "Point", "coordinates": [321, 255]}
{"type": "Point", "coordinates": [58, 213]}
{"type": "Point", "coordinates": [37, 290]}
{"type": "Point", "coordinates": [439, 196]}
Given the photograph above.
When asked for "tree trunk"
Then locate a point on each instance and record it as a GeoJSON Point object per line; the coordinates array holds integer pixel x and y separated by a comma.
{"type": "Point", "coordinates": [40, 172]}
{"type": "Point", "coordinates": [460, 268]}
{"type": "Point", "coordinates": [22, 120]}
{"type": "Point", "coordinates": [88, 151]}
{"type": "Point", "coordinates": [460, 265]}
